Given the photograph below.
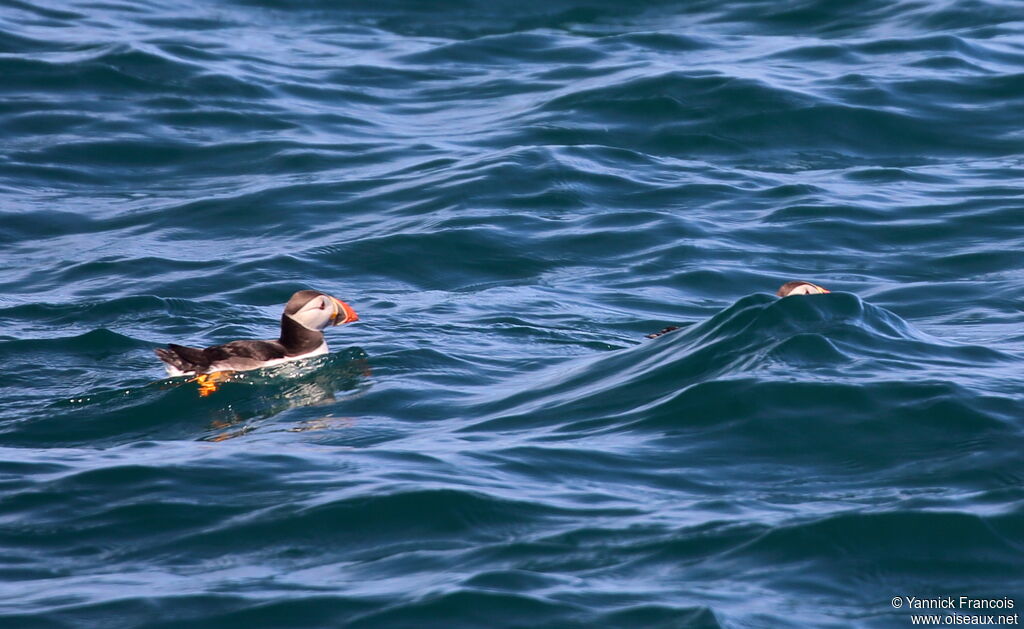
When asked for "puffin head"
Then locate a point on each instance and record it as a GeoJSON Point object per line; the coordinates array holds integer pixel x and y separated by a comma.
{"type": "Point", "coordinates": [315, 310]}
{"type": "Point", "coordinates": [801, 288]}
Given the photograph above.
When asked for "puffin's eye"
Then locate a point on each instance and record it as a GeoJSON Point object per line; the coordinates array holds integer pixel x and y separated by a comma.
{"type": "Point", "coordinates": [323, 304]}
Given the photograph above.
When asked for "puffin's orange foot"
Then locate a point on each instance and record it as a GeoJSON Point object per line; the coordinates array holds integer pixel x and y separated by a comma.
{"type": "Point", "coordinates": [210, 382]}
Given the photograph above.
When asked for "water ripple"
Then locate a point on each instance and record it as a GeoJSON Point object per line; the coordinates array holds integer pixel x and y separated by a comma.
{"type": "Point", "coordinates": [511, 195]}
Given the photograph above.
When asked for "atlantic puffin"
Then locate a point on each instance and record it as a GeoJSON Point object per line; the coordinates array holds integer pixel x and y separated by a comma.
{"type": "Point", "coordinates": [306, 314]}
{"type": "Point", "coordinates": [801, 288]}
{"type": "Point", "coordinates": [786, 290]}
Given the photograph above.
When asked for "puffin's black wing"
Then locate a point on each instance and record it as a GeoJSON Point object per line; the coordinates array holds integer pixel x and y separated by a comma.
{"type": "Point", "coordinates": [236, 355]}
{"type": "Point", "coordinates": [259, 351]}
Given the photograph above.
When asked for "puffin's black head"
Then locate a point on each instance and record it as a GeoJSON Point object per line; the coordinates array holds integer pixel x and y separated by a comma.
{"type": "Point", "coordinates": [316, 310]}
{"type": "Point", "coordinates": [801, 288]}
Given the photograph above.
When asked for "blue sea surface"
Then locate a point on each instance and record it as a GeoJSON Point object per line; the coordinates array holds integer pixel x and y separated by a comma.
{"type": "Point", "coordinates": [511, 195]}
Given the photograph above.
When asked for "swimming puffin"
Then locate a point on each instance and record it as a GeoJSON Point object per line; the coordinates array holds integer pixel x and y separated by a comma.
{"type": "Point", "coordinates": [800, 288]}
{"type": "Point", "coordinates": [305, 315]}
{"type": "Point", "coordinates": [787, 289]}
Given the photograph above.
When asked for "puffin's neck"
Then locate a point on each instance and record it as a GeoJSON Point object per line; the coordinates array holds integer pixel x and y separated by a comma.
{"type": "Point", "coordinates": [298, 339]}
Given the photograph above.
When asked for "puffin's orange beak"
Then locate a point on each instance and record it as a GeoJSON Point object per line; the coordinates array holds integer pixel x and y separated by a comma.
{"type": "Point", "coordinates": [343, 313]}
{"type": "Point", "coordinates": [824, 290]}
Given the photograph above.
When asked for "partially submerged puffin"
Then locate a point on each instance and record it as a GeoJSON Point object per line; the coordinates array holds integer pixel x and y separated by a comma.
{"type": "Point", "coordinates": [798, 287]}
{"type": "Point", "coordinates": [306, 314]}
{"type": "Point", "coordinates": [801, 288]}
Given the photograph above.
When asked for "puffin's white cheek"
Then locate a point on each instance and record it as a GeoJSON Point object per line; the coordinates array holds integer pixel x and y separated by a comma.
{"type": "Point", "coordinates": [319, 319]}
{"type": "Point", "coordinates": [314, 318]}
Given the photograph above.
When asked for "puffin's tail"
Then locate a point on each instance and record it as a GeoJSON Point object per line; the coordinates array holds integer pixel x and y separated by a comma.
{"type": "Point", "coordinates": [180, 359]}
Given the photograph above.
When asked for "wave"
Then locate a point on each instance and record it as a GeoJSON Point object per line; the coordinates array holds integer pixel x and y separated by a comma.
{"type": "Point", "coordinates": [706, 112]}
{"type": "Point", "coordinates": [760, 353]}
{"type": "Point", "coordinates": [466, 19]}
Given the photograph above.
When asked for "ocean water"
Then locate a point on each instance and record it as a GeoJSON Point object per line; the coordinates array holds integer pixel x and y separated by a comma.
{"type": "Point", "coordinates": [511, 195]}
